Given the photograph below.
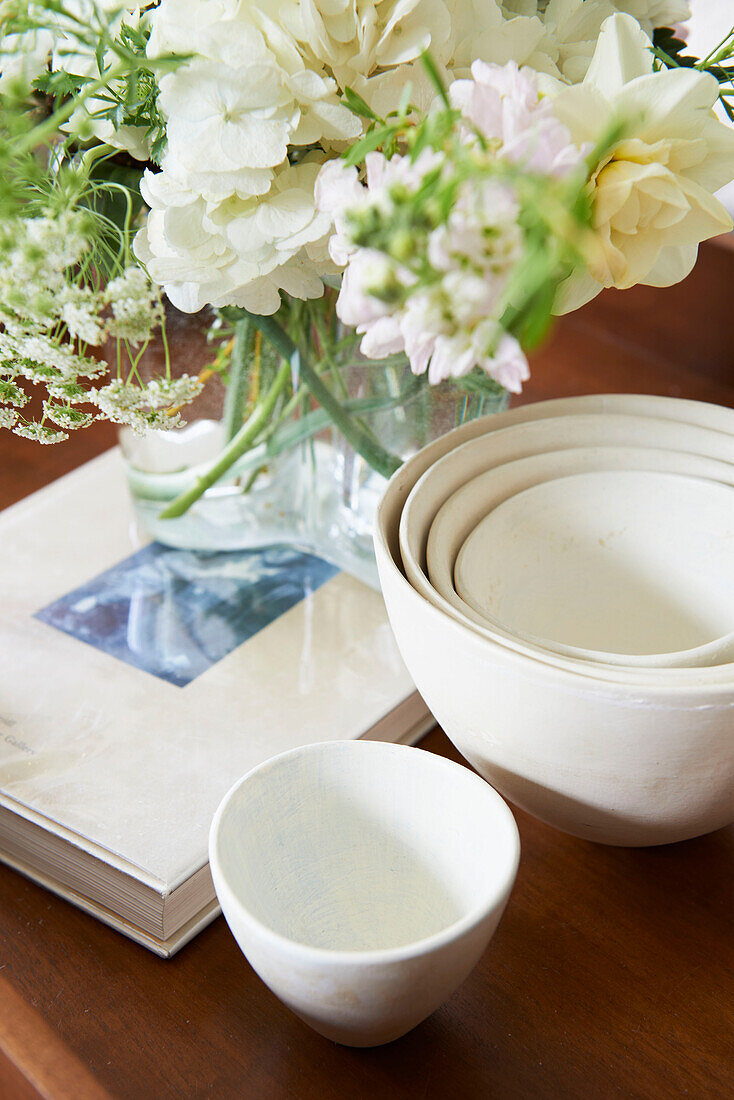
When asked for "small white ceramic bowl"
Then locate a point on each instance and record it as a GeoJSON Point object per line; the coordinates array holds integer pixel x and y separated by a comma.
{"type": "Point", "coordinates": [363, 881]}
{"type": "Point", "coordinates": [465, 508]}
{"type": "Point", "coordinates": [614, 564]}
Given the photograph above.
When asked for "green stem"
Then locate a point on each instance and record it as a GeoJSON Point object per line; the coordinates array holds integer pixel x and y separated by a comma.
{"type": "Point", "coordinates": [353, 431]}
{"type": "Point", "coordinates": [236, 400]}
{"type": "Point", "coordinates": [336, 373]}
{"type": "Point", "coordinates": [50, 125]}
{"type": "Point", "coordinates": [236, 447]}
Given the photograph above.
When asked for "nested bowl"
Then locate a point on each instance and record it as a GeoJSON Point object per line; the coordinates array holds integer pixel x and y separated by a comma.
{"type": "Point", "coordinates": [619, 761]}
{"type": "Point", "coordinates": [612, 565]}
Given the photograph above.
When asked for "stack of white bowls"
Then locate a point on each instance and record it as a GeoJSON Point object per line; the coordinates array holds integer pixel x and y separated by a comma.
{"type": "Point", "coordinates": [560, 580]}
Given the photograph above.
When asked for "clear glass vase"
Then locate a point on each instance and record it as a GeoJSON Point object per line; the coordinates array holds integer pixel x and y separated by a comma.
{"type": "Point", "coordinates": [305, 486]}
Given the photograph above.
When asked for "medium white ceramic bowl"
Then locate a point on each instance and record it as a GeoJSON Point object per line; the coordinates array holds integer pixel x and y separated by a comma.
{"type": "Point", "coordinates": [363, 881]}
{"type": "Point", "coordinates": [466, 461]}
{"type": "Point", "coordinates": [610, 564]}
{"type": "Point", "coordinates": [616, 762]}
{"type": "Point", "coordinates": [466, 507]}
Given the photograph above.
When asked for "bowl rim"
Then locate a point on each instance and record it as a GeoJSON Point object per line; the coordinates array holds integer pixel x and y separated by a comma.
{"type": "Point", "coordinates": [403, 952]}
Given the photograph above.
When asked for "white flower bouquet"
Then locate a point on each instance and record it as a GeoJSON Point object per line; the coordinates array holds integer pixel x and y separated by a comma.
{"type": "Point", "coordinates": [439, 178]}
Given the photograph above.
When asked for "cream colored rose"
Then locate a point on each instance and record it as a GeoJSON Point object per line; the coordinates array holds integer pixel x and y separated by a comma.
{"type": "Point", "coordinates": [652, 196]}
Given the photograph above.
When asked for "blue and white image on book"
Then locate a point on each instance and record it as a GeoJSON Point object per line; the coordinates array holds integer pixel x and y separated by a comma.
{"type": "Point", "coordinates": [175, 613]}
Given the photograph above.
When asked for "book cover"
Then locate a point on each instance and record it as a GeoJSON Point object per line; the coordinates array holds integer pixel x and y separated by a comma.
{"type": "Point", "coordinates": [138, 682]}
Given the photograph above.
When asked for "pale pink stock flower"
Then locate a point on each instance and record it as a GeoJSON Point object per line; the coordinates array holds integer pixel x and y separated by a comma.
{"type": "Point", "coordinates": [337, 190]}
{"type": "Point", "coordinates": [451, 326]}
{"type": "Point", "coordinates": [503, 102]}
{"type": "Point", "coordinates": [509, 365]}
{"type": "Point", "coordinates": [356, 306]}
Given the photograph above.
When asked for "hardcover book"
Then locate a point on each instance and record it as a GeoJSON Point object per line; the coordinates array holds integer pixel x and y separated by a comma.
{"type": "Point", "coordinates": [139, 682]}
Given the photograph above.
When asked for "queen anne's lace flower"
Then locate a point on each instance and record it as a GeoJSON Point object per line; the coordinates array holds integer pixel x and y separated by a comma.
{"type": "Point", "coordinates": [80, 314]}
{"type": "Point", "coordinates": [66, 417]}
{"type": "Point", "coordinates": [142, 408]}
{"type": "Point", "coordinates": [49, 315]}
{"type": "Point", "coordinates": [12, 394]}
{"type": "Point", "coordinates": [136, 306]}
{"type": "Point", "coordinates": [39, 433]}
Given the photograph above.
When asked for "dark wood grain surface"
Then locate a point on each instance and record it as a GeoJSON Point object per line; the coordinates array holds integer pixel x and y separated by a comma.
{"type": "Point", "coordinates": [611, 974]}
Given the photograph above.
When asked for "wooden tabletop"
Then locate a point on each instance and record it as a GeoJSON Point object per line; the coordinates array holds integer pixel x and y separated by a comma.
{"type": "Point", "coordinates": [611, 974]}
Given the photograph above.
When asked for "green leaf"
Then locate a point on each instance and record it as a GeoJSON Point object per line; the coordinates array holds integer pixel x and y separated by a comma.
{"type": "Point", "coordinates": [372, 140]}
{"type": "Point", "coordinates": [404, 104]}
{"type": "Point", "coordinates": [357, 105]}
{"type": "Point", "coordinates": [430, 66]}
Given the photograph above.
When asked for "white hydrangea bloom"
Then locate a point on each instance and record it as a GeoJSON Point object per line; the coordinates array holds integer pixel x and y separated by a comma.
{"type": "Point", "coordinates": [232, 220]}
{"type": "Point", "coordinates": [573, 27]}
{"type": "Point", "coordinates": [481, 31]}
{"type": "Point", "coordinates": [231, 120]}
{"type": "Point", "coordinates": [238, 251]}
{"type": "Point", "coordinates": [653, 196]}
{"type": "Point", "coordinates": [572, 30]}
{"type": "Point", "coordinates": [273, 227]}
{"type": "Point", "coordinates": [184, 26]}
{"type": "Point", "coordinates": [655, 13]}
{"type": "Point", "coordinates": [192, 263]}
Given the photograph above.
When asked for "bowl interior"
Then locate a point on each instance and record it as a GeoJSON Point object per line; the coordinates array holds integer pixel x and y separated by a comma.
{"type": "Point", "coordinates": [467, 507]}
{"type": "Point", "coordinates": [624, 561]}
{"type": "Point", "coordinates": [364, 846]}
{"type": "Point", "coordinates": [540, 437]}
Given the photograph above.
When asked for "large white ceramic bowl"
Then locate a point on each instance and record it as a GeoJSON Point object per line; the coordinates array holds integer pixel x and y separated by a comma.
{"type": "Point", "coordinates": [616, 762]}
{"type": "Point", "coordinates": [363, 881]}
{"type": "Point", "coordinates": [465, 508]}
{"type": "Point", "coordinates": [544, 436]}
{"type": "Point", "coordinates": [611, 762]}
{"type": "Point", "coordinates": [614, 563]}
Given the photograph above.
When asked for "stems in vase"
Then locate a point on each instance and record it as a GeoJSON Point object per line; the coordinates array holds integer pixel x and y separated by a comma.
{"type": "Point", "coordinates": [235, 401]}
{"type": "Point", "coordinates": [237, 446]}
{"type": "Point", "coordinates": [352, 429]}
{"type": "Point", "coordinates": [296, 368]}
